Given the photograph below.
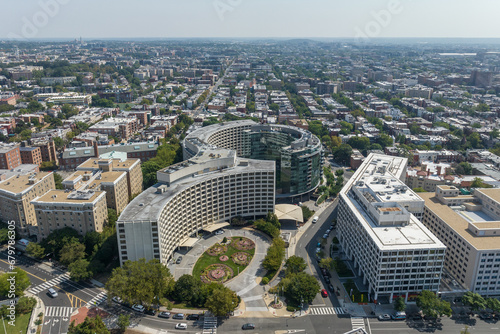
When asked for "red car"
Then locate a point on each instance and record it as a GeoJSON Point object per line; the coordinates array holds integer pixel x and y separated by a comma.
{"type": "Point", "coordinates": [324, 293]}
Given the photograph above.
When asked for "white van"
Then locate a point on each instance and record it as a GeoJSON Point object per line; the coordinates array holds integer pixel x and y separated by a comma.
{"type": "Point", "coordinates": [315, 219]}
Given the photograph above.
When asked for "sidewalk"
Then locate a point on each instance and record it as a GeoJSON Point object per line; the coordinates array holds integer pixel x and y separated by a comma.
{"type": "Point", "coordinates": [39, 308]}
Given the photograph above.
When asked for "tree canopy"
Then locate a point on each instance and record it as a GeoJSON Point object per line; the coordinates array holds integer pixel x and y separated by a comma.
{"type": "Point", "coordinates": [432, 306]}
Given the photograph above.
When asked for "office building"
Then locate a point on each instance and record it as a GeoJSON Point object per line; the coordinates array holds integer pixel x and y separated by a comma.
{"type": "Point", "coordinates": [297, 152]}
{"type": "Point", "coordinates": [380, 231]}
{"type": "Point", "coordinates": [468, 224]}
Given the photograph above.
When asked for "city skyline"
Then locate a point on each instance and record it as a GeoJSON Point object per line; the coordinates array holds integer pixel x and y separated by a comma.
{"type": "Point", "coordinates": [53, 19]}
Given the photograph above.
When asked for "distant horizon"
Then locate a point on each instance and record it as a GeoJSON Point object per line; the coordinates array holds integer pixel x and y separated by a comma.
{"type": "Point", "coordinates": [371, 19]}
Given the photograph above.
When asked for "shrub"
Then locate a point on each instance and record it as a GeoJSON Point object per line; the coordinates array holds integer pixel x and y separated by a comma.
{"type": "Point", "coordinates": [265, 280]}
{"type": "Point", "coordinates": [291, 308]}
{"type": "Point", "coordinates": [224, 240]}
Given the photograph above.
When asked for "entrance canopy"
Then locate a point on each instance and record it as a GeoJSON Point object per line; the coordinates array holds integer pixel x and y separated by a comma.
{"type": "Point", "coordinates": [189, 242]}
{"type": "Point", "coordinates": [215, 227]}
{"type": "Point", "coordinates": [289, 212]}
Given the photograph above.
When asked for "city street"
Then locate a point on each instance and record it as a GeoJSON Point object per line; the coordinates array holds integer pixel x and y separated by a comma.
{"type": "Point", "coordinates": [71, 295]}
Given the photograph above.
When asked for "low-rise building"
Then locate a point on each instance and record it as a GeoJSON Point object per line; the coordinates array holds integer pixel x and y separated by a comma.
{"type": "Point", "coordinates": [10, 156]}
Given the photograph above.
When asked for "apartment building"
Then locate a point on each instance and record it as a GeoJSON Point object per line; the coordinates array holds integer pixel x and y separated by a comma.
{"type": "Point", "coordinates": [380, 231]}
{"type": "Point", "coordinates": [47, 148]}
{"type": "Point", "coordinates": [16, 194]}
{"type": "Point", "coordinates": [123, 127]}
{"type": "Point", "coordinates": [85, 211]}
{"type": "Point", "coordinates": [31, 155]}
{"type": "Point", "coordinates": [10, 156]}
{"type": "Point", "coordinates": [469, 226]}
{"type": "Point", "coordinates": [116, 162]}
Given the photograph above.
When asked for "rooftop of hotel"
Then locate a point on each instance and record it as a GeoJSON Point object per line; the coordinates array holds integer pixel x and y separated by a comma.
{"type": "Point", "coordinates": [378, 179]}
{"type": "Point", "coordinates": [147, 206]}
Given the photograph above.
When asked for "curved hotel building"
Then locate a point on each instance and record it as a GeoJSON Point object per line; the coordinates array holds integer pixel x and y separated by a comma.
{"type": "Point", "coordinates": [231, 169]}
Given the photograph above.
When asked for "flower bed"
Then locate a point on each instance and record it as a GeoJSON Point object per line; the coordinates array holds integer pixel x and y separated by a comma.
{"type": "Point", "coordinates": [241, 258]}
{"type": "Point", "coordinates": [241, 243]}
{"type": "Point", "coordinates": [217, 273]}
{"type": "Point", "coordinates": [223, 258]}
{"type": "Point", "coordinates": [217, 249]}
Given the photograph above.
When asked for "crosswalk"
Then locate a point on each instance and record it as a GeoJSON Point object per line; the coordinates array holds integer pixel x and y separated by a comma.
{"type": "Point", "coordinates": [326, 310]}
{"type": "Point", "coordinates": [39, 288]}
{"type": "Point", "coordinates": [58, 311]}
{"type": "Point", "coordinates": [209, 325]}
{"type": "Point", "coordinates": [97, 300]}
{"type": "Point", "coordinates": [357, 322]}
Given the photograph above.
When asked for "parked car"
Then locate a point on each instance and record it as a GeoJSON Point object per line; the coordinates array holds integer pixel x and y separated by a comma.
{"type": "Point", "coordinates": [485, 316]}
{"type": "Point", "coordinates": [332, 227]}
{"type": "Point", "coordinates": [248, 326]}
{"type": "Point", "coordinates": [138, 308]}
{"type": "Point", "coordinates": [315, 219]}
{"type": "Point", "coordinates": [165, 315]}
{"type": "Point", "coordinates": [179, 259]}
{"type": "Point", "coordinates": [327, 280]}
{"type": "Point", "coordinates": [331, 288]}
{"type": "Point", "coordinates": [384, 317]}
{"type": "Point", "coordinates": [318, 250]}
{"type": "Point", "coordinates": [178, 316]}
{"type": "Point", "coordinates": [219, 232]}
{"type": "Point", "coordinates": [193, 317]}
{"type": "Point", "coordinates": [325, 236]}
{"type": "Point", "coordinates": [328, 231]}
{"type": "Point", "coordinates": [117, 299]}
{"type": "Point", "coordinates": [150, 311]}
{"type": "Point", "coordinates": [324, 293]}
{"type": "Point", "coordinates": [181, 325]}
{"type": "Point", "coordinates": [52, 293]}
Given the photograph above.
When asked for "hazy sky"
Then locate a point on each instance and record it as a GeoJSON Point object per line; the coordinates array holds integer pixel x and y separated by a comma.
{"type": "Point", "coordinates": [248, 18]}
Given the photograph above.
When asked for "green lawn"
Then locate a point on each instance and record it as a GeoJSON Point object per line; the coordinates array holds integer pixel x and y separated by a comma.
{"type": "Point", "coordinates": [358, 296]}
{"type": "Point", "coordinates": [22, 322]}
{"type": "Point", "coordinates": [205, 260]}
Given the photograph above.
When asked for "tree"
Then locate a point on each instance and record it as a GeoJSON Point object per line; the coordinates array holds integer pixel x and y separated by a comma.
{"type": "Point", "coordinates": [273, 219]}
{"type": "Point", "coordinates": [493, 304]}
{"type": "Point", "coordinates": [343, 154]}
{"type": "Point", "coordinates": [48, 166]}
{"type": "Point", "coordinates": [385, 140]}
{"type": "Point", "coordinates": [185, 287]}
{"type": "Point", "coordinates": [72, 252]}
{"type": "Point", "coordinates": [58, 181]}
{"type": "Point", "coordinates": [79, 270]}
{"type": "Point", "coordinates": [432, 306]}
{"type": "Point", "coordinates": [360, 143]}
{"type": "Point", "coordinates": [59, 142]}
{"type": "Point", "coordinates": [139, 282]}
{"type": "Point", "coordinates": [478, 183]}
{"type": "Point", "coordinates": [419, 190]}
{"type": "Point", "coordinates": [25, 305]}
{"type": "Point", "coordinates": [112, 217]}
{"type": "Point", "coordinates": [302, 288]}
{"type": "Point", "coordinates": [326, 263]}
{"type": "Point", "coordinates": [123, 322]}
{"type": "Point", "coordinates": [474, 301]}
{"type": "Point", "coordinates": [22, 282]}
{"type": "Point", "coordinates": [275, 255]}
{"type": "Point", "coordinates": [464, 168]}
{"type": "Point", "coordinates": [89, 326]}
{"type": "Point", "coordinates": [35, 250]}
{"type": "Point", "coordinates": [399, 304]}
{"type": "Point", "coordinates": [267, 227]}
{"type": "Point", "coordinates": [221, 301]}
{"type": "Point", "coordinates": [295, 264]}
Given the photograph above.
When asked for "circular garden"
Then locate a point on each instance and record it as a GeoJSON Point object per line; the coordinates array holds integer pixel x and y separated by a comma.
{"type": "Point", "coordinates": [223, 261]}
